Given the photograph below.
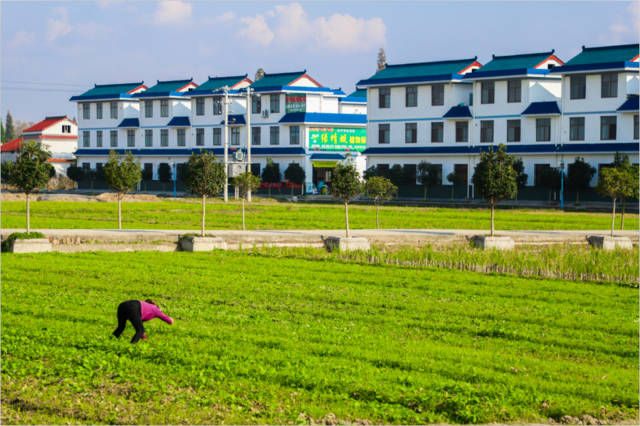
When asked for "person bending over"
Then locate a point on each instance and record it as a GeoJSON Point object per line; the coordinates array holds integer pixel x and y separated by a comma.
{"type": "Point", "coordinates": [138, 311]}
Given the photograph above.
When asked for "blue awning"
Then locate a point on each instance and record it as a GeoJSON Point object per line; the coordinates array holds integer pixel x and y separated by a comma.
{"type": "Point", "coordinates": [327, 156]}
{"type": "Point", "coordinates": [236, 119]}
{"type": "Point", "coordinates": [179, 122]}
{"type": "Point", "coordinates": [542, 108]}
{"type": "Point", "coordinates": [460, 111]}
{"type": "Point", "coordinates": [324, 118]}
{"type": "Point", "coordinates": [130, 123]}
{"type": "Point", "coordinates": [631, 104]}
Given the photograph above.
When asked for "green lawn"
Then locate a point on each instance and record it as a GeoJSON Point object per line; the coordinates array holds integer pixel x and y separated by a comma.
{"type": "Point", "coordinates": [269, 214]}
{"type": "Point", "coordinates": [259, 339]}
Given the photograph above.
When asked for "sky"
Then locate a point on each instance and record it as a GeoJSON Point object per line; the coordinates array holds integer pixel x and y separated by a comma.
{"type": "Point", "coordinates": [53, 50]}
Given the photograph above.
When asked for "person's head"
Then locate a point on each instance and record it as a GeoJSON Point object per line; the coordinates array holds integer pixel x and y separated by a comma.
{"type": "Point", "coordinates": [151, 301]}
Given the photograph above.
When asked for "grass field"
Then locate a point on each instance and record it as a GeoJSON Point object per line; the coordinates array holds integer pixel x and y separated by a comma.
{"type": "Point", "coordinates": [260, 339]}
{"type": "Point", "coordinates": [269, 214]}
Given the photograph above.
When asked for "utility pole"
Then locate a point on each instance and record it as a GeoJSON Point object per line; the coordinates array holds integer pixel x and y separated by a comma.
{"type": "Point", "coordinates": [226, 143]}
{"type": "Point", "coordinates": [249, 141]}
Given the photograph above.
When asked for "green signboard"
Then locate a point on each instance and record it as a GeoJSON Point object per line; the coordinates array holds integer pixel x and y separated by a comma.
{"type": "Point", "coordinates": [296, 103]}
{"type": "Point", "coordinates": [337, 139]}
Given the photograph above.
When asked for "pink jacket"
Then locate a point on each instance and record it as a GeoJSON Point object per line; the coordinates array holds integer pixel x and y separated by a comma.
{"type": "Point", "coordinates": [150, 312]}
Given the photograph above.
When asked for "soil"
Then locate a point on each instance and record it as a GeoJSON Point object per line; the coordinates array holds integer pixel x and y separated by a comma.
{"type": "Point", "coordinates": [105, 197]}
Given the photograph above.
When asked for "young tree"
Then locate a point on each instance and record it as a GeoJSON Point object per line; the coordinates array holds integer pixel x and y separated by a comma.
{"type": "Point", "coordinates": [379, 189]}
{"type": "Point", "coordinates": [396, 175]}
{"type": "Point", "coordinates": [295, 174]}
{"type": "Point", "coordinates": [630, 181]}
{"type": "Point", "coordinates": [259, 74]}
{"type": "Point", "coordinates": [9, 131]}
{"type": "Point", "coordinates": [122, 175]}
{"type": "Point", "coordinates": [345, 185]}
{"type": "Point", "coordinates": [550, 179]}
{"type": "Point", "coordinates": [521, 176]}
{"type": "Point", "coordinates": [271, 173]}
{"type": "Point", "coordinates": [245, 182]}
{"type": "Point", "coordinates": [494, 178]}
{"type": "Point", "coordinates": [2, 135]}
{"type": "Point", "coordinates": [30, 171]}
{"type": "Point", "coordinates": [611, 184]}
{"type": "Point", "coordinates": [206, 177]}
{"type": "Point", "coordinates": [75, 173]}
{"type": "Point", "coordinates": [428, 175]}
{"type": "Point", "coordinates": [164, 174]}
{"type": "Point", "coordinates": [382, 59]}
{"type": "Point", "coordinates": [578, 176]}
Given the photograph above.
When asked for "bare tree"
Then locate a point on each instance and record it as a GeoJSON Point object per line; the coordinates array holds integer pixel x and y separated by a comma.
{"type": "Point", "coordinates": [382, 59]}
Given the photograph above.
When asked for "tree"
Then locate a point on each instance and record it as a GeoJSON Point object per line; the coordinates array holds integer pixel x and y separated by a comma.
{"type": "Point", "coordinates": [9, 131]}
{"type": "Point", "coordinates": [455, 179]}
{"type": "Point", "coordinates": [271, 173]}
{"type": "Point", "coordinates": [521, 176]}
{"type": "Point", "coordinates": [579, 175]}
{"type": "Point", "coordinates": [550, 178]}
{"type": "Point", "coordinates": [630, 181]}
{"type": "Point", "coordinates": [164, 174]}
{"type": "Point", "coordinates": [30, 171]}
{"type": "Point", "coordinates": [345, 185]}
{"type": "Point", "coordinates": [611, 184]}
{"type": "Point", "coordinates": [428, 175]}
{"type": "Point", "coordinates": [379, 189]}
{"type": "Point", "coordinates": [206, 177]}
{"type": "Point", "coordinates": [246, 182]}
{"type": "Point", "coordinates": [122, 176]}
{"type": "Point", "coordinates": [494, 178]}
{"type": "Point", "coordinates": [295, 174]}
{"type": "Point", "coordinates": [2, 135]}
{"type": "Point", "coordinates": [382, 59]}
{"type": "Point", "coordinates": [259, 74]}
{"type": "Point", "coordinates": [147, 173]}
{"type": "Point", "coordinates": [75, 173]}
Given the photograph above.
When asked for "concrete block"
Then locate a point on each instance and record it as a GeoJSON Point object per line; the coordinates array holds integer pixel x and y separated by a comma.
{"type": "Point", "coordinates": [346, 244]}
{"type": "Point", "coordinates": [35, 245]}
{"type": "Point", "coordinates": [610, 243]}
{"type": "Point", "coordinates": [202, 243]}
{"type": "Point", "coordinates": [496, 243]}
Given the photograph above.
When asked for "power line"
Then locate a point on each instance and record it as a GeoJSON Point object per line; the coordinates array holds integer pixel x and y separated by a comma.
{"type": "Point", "coordinates": [34, 89]}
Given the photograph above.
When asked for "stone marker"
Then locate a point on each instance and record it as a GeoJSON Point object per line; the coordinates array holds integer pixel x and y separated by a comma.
{"type": "Point", "coordinates": [609, 243]}
{"type": "Point", "coordinates": [496, 243]}
{"type": "Point", "coordinates": [202, 243]}
{"type": "Point", "coordinates": [346, 244]}
{"type": "Point", "coordinates": [34, 245]}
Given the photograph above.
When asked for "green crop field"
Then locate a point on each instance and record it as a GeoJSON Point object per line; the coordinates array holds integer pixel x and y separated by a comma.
{"type": "Point", "coordinates": [266, 339]}
{"type": "Point", "coordinates": [269, 214]}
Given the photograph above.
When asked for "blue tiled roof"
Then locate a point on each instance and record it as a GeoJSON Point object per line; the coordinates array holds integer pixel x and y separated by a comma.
{"type": "Point", "coordinates": [631, 104]}
{"type": "Point", "coordinates": [216, 83]}
{"type": "Point", "coordinates": [512, 65]}
{"type": "Point", "coordinates": [418, 72]}
{"type": "Point", "coordinates": [327, 156]}
{"type": "Point", "coordinates": [542, 108]}
{"type": "Point", "coordinates": [107, 91]}
{"type": "Point", "coordinates": [186, 152]}
{"type": "Point", "coordinates": [235, 119]}
{"type": "Point", "coordinates": [359, 96]}
{"type": "Point", "coordinates": [277, 80]}
{"type": "Point", "coordinates": [164, 88]}
{"type": "Point", "coordinates": [604, 57]}
{"type": "Point", "coordinates": [321, 117]}
{"type": "Point", "coordinates": [460, 111]}
{"type": "Point", "coordinates": [130, 122]}
{"type": "Point", "coordinates": [179, 122]}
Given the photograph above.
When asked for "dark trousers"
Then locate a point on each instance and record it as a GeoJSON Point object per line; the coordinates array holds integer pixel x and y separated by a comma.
{"type": "Point", "coordinates": [130, 310]}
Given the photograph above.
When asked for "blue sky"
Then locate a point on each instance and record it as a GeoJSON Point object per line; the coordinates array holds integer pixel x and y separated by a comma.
{"type": "Point", "coordinates": [52, 50]}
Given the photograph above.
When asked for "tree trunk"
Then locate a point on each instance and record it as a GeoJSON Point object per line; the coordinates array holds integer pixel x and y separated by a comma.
{"type": "Point", "coordinates": [28, 211]}
{"type": "Point", "coordinates": [613, 216]}
{"type": "Point", "coordinates": [204, 197]}
{"type": "Point", "coordinates": [346, 217]}
{"type": "Point", "coordinates": [377, 216]}
{"type": "Point", "coordinates": [624, 201]}
{"type": "Point", "coordinates": [119, 197]}
{"type": "Point", "coordinates": [492, 226]}
{"type": "Point", "coordinates": [425, 192]}
{"type": "Point", "coordinates": [243, 227]}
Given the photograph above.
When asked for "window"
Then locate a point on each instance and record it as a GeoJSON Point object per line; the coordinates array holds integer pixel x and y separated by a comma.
{"type": "Point", "coordinates": [217, 136]}
{"type": "Point", "coordinates": [217, 105]}
{"type": "Point", "coordinates": [199, 106]}
{"type": "Point", "coordinates": [411, 96]}
{"type": "Point", "coordinates": [274, 135]}
{"type": "Point", "coordinates": [437, 94]}
{"type": "Point", "coordinates": [113, 138]}
{"type": "Point", "coordinates": [487, 92]}
{"type": "Point", "coordinates": [513, 130]}
{"type": "Point", "coordinates": [274, 101]}
{"type": "Point", "coordinates": [255, 136]}
{"type": "Point", "coordinates": [294, 135]}
{"type": "Point", "coordinates": [113, 110]}
{"type": "Point", "coordinates": [635, 126]}
{"type": "Point", "coordinates": [148, 109]}
{"type": "Point", "coordinates": [539, 171]}
{"type": "Point", "coordinates": [86, 167]}
{"type": "Point", "coordinates": [255, 169]}
{"type": "Point", "coordinates": [256, 104]}
{"type": "Point", "coordinates": [578, 87]}
{"type": "Point", "coordinates": [148, 138]}
{"type": "Point", "coordinates": [99, 138]}
{"type": "Point", "coordinates": [86, 141]}
{"type": "Point", "coordinates": [607, 128]}
{"type": "Point", "coordinates": [384, 133]}
{"type": "Point", "coordinates": [147, 170]}
{"type": "Point", "coordinates": [410, 132]}
{"type": "Point", "coordinates": [576, 128]}
{"type": "Point", "coordinates": [514, 90]}
{"type": "Point", "coordinates": [199, 137]}
{"type": "Point", "coordinates": [66, 128]}
{"type": "Point", "coordinates": [164, 137]}
{"type": "Point", "coordinates": [543, 129]}
{"type": "Point", "coordinates": [462, 131]}
{"type": "Point", "coordinates": [384, 97]}
{"type": "Point", "coordinates": [182, 137]}
{"type": "Point", "coordinates": [235, 136]}
{"type": "Point", "coordinates": [609, 87]}
{"type": "Point", "coordinates": [164, 108]}
{"type": "Point", "coordinates": [131, 138]}
{"type": "Point", "coordinates": [437, 132]}
{"type": "Point", "coordinates": [486, 131]}
{"type": "Point", "coordinates": [85, 110]}
{"type": "Point", "coordinates": [410, 171]}
{"type": "Point", "coordinates": [99, 110]}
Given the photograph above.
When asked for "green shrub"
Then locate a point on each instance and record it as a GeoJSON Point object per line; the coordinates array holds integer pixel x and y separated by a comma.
{"type": "Point", "coordinates": [8, 242]}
